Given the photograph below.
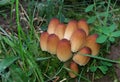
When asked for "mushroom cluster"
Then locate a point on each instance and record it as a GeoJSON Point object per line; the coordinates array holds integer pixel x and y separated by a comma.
{"type": "Point", "coordinates": [70, 41]}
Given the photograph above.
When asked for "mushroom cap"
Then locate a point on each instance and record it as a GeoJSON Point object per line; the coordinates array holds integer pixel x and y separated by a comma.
{"type": "Point", "coordinates": [60, 30]}
{"type": "Point", "coordinates": [64, 50]}
{"type": "Point", "coordinates": [43, 41]}
{"type": "Point", "coordinates": [80, 59]}
{"type": "Point", "coordinates": [71, 27]}
{"type": "Point", "coordinates": [74, 69]}
{"type": "Point", "coordinates": [82, 24]}
{"type": "Point", "coordinates": [52, 25]}
{"type": "Point", "coordinates": [77, 40]}
{"type": "Point", "coordinates": [91, 43]}
{"type": "Point", "coordinates": [52, 43]}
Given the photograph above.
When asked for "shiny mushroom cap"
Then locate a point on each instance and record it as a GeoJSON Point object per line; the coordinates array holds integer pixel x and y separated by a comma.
{"type": "Point", "coordinates": [52, 43]}
{"type": "Point", "coordinates": [80, 59]}
{"type": "Point", "coordinates": [60, 30]}
{"type": "Point", "coordinates": [43, 41]}
{"type": "Point", "coordinates": [91, 43]}
{"type": "Point", "coordinates": [74, 69]}
{"type": "Point", "coordinates": [52, 25]}
{"type": "Point", "coordinates": [82, 24]}
{"type": "Point", "coordinates": [71, 27]}
{"type": "Point", "coordinates": [77, 40]}
{"type": "Point", "coordinates": [64, 50]}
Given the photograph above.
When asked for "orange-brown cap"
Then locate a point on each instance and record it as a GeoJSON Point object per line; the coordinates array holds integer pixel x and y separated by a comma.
{"type": "Point", "coordinates": [43, 41]}
{"type": "Point", "coordinates": [52, 25]}
{"type": "Point", "coordinates": [52, 43]}
{"type": "Point", "coordinates": [82, 24]}
{"type": "Point", "coordinates": [64, 50]}
{"type": "Point", "coordinates": [74, 69]}
{"type": "Point", "coordinates": [60, 30]}
{"type": "Point", "coordinates": [71, 27]}
{"type": "Point", "coordinates": [79, 58]}
{"type": "Point", "coordinates": [91, 43]}
{"type": "Point", "coordinates": [77, 40]}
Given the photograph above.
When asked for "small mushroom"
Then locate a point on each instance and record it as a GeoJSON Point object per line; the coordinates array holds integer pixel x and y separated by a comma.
{"type": "Point", "coordinates": [80, 59]}
{"type": "Point", "coordinates": [91, 43]}
{"type": "Point", "coordinates": [52, 25]}
{"type": "Point", "coordinates": [43, 41]}
{"type": "Point", "coordinates": [64, 50]}
{"type": "Point", "coordinates": [60, 30]}
{"type": "Point", "coordinates": [71, 27]}
{"type": "Point", "coordinates": [52, 43]}
{"type": "Point", "coordinates": [77, 40]}
{"type": "Point", "coordinates": [74, 69]}
{"type": "Point", "coordinates": [82, 24]}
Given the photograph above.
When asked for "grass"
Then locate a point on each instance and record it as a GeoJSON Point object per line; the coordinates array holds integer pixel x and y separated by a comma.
{"type": "Point", "coordinates": [21, 58]}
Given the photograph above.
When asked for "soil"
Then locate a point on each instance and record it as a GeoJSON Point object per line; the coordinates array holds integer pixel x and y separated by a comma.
{"type": "Point", "coordinates": [114, 55]}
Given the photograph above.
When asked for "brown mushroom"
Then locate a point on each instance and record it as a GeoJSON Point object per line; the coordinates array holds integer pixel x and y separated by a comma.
{"type": "Point", "coordinates": [91, 43]}
{"type": "Point", "coordinates": [71, 27]}
{"type": "Point", "coordinates": [52, 43]}
{"type": "Point", "coordinates": [60, 30]}
{"type": "Point", "coordinates": [52, 25]}
{"type": "Point", "coordinates": [74, 69]}
{"type": "Point", "coordinates": [43, 41]}
{"type": "Point", "coordinates": [82, 24]}
{"type": "Point", "coordinates": [80, 59]}
{"type": "Point", "coordinates": [77, 40]}
{"type": "Point", "coordinates": [64, 50]}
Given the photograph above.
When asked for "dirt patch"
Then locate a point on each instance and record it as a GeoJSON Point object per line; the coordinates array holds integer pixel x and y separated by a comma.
{"type": "Point", "coordinates": [115, 55]}
{"type": "Point", "coordinates": [104, 79]}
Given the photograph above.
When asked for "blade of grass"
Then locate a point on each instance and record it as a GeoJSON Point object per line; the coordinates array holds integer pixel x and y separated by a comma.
{"type": "Point", "coordinates": [4, 2]}
{"type": "Point", "coordinates": [7, 62]}
{"type": "Point", "coordinates": [80, 76]}
{"type": "Point", "coordinates": [79, 79]}
{"type": "Point", "coordinates": [26, 56]}
{"type": "Point", "coordinates": [4, 48]}
{"type": "Point", "coordinates": [105, 20]}
{"type": "Point", "coordinates": [101, 58]}
{"type": "Point", "coordinates": [31, 61]}
{"type": "Point", "coordinates": [4, 32]}
{"type": "Point", "coordinates": [61, 68]}
{"type": "Point", "coordinates": [19, 29]}
{"type": "Point", "coordinates": [42, 59]}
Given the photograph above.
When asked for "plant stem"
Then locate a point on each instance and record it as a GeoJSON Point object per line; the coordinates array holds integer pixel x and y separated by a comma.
{"type": "Point", "coordinates": [101, 58]}
{"type": "Point", "coordinates": [19, 29]}
{"type": "Point", "coordinates": [105, 20]}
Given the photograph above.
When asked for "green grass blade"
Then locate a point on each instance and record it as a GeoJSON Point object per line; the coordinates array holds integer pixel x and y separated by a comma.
{"type": "Point", "coordinates": [7, 62]}
{"type": "Point", "coordinates": [4, 2]}
{"type": "Point", "coordinates": [101, 58]}
{"type": "Point", "coordinates": [42, 59]}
